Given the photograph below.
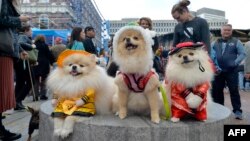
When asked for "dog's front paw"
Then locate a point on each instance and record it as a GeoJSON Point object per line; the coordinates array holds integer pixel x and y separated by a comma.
{"type": "Point", "coordinates": [174, 119]}
{"type": "Point", "coordinates": [156, 119]}
{"type": "Point", "coordinates": [65, 133]}
{"type": "Point", "coordinates": [57, 132]}
{"type": "Point", "coordinates": [122, 114]}
{"type": "Point", "coordinates": [79, 102]}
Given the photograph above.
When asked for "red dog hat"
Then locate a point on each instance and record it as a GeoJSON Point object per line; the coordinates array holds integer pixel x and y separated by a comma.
{"type": "Point", "coordinates": [185, 45]}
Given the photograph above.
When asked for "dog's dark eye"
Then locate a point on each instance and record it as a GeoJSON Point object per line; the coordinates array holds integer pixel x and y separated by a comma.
{"type": "Point", "coordinates": [179, 55]}
{"type": "Point", "coordinates": [70, 64]}
{"type": "Point", "coordinates": [191, 53]}
{"type": "Point", "coordinates": [136, 38]}
{"type": "Point", "coordinates": [81, 65]}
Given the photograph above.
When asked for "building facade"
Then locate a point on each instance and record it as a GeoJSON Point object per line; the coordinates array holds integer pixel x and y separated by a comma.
{"type": "Point", "coordinates": [63, 14]}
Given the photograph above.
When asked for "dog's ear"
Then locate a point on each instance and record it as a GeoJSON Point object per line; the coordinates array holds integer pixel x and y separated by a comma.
{"type": "Point", "coordinates": [31, 110]}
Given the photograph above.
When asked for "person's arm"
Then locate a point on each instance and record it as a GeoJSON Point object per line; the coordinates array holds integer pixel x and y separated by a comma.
{"type": "Point", "coordinates": [176, 38]}
{"type": "Point", "coordinates": [23, 43]}
{"type": "Point", "coordinates": [241, 53]}
{"type": "Point", "coordinates": [214, 58]}
{"type": "Point", "coordinates": [247, 59]}
{"type": "Point", "coordinates": [205, 35]}
{"type": "Point", "coordinates": [10, 22]}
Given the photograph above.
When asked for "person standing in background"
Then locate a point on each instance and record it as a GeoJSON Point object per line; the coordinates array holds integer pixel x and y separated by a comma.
{"type": "Point", "coordinates": [76, 39]}
{"type": "Point", "coordinates": [58, 48]}
{"type": "Point", "coordinates": [9, 19]}
{"type": "Point", "coordinates": [88, 43]}
{"type": "Point", "coordinates": [41, 71]}
{"type": "Point", "coordinates": [23, 77]}
{"type": "Point", "coordinates": [228, 53]}
{"type": "Point", "coordinates": [146, 23]}
{"type": "Point", "coordinates": [189, 28]}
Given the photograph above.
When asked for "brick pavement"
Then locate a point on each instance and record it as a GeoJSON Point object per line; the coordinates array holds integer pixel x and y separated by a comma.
{"type": "Point", "coordinates": [13, 121]}
{"type": "Point", "coordinates": [245, 104]}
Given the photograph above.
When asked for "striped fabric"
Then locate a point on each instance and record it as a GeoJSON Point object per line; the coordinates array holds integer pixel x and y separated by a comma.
{"type": "Point", "coordinates": [7, 97]}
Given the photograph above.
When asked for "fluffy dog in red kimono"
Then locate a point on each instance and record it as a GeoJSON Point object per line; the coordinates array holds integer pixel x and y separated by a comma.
{"type": "Point", "coordinates": [188, 75]}
{"type": "Point", "coordinates": [80, 89]}
{"type": "Point", "coordinates": [136, 80]}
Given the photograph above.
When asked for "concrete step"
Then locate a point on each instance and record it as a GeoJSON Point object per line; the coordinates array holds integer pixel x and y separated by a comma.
{"type": "Point", "coordinates": [135, 128]}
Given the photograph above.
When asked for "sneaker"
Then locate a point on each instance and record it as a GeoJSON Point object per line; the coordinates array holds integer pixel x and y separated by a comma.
{"type": "Point", "coordinates": [238, 115]}
{"type": "Point", "coordinates": [6, 135]}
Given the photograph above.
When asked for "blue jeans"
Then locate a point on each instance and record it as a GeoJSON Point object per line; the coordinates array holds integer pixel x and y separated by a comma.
{"type": "Point", "coordinates": [241, 80]}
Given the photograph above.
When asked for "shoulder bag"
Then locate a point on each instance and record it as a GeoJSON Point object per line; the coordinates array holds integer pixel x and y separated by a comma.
{"type": "Point", "coordinates": [33, 56]}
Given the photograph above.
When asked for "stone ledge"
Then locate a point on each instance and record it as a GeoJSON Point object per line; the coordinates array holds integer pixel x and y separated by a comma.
{"type": "Point", "coordinates": [133, 128]}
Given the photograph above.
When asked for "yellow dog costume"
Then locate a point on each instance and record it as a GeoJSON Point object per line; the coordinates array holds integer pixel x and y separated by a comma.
{"type": "Point", "coordinates": [67, 106]}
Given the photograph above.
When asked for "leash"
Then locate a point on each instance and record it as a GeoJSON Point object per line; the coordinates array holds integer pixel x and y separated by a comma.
{"type": "Point", "coordinates": [165, 102]}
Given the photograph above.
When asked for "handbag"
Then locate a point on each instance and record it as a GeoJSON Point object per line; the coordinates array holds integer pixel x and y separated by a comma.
{"type": "Point", "coordinates": [33, 55]}
{"type": "Point", "coordinates": [6, 41]}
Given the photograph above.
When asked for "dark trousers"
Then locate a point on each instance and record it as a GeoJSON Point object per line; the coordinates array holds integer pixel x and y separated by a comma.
{"type": "Point", "coordinates": [40, 85]}
{"type": "Point", "coordinates": [1, 123]}
{"type": "Point", "coordinates": [218, 85]}
{"type": "Point", "coordinates": [23, 80]}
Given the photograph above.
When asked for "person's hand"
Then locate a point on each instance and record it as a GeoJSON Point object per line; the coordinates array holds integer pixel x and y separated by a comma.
{"type": "Point", "coordinates": [247, 75]}
{"type": "Point", "coordinates": [33, 46]}
{"type": "Point", "coordinates": [24, 55]}
{"type": "Point", "coordinates": [24, 18]}
{"type": "Point", "coordinates": [54, 102]}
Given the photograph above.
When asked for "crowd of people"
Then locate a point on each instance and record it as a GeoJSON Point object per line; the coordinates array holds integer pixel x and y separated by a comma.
{"type": "Point", "coordinates": [227, 54]}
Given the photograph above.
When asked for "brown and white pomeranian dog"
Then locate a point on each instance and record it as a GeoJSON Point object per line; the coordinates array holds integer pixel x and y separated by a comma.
{"type": "Point", "coordinates": [80, 89]}
{"type": "Point", "coordinates": [136, 80]}
{"type": "Point", "coordinates": [188, 75]}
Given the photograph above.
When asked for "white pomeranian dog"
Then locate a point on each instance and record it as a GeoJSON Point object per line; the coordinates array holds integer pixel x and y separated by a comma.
{"type": "Point", "coordinates": [188, 75]}
{"type": "Point", "coordinates": [137, 82]}
{"type": "Point", "coordinates": [80, 89]}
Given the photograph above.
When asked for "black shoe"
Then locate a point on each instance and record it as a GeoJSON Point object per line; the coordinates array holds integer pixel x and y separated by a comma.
{"type": "Point", "coordinates": [19, 106]}
{"type": "Point", "coordinates": [43, 97]}
{"type": "Point", "coordinates": [6, 135]}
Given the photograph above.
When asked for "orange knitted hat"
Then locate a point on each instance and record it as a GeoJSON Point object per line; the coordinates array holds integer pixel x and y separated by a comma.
{"type": "Point", "coordinates": [69, 52]}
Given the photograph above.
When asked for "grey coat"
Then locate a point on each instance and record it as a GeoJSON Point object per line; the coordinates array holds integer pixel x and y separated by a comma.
{"type": "Point", "coordinates": [9, 18]}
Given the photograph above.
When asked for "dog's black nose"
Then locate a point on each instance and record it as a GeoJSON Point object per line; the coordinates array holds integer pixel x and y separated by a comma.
{"type": "Point", "coordinates": [185, 58]}
{"type": "Point", "coordinates": [74, 67]}
{"type": "Point", "coordinates": [127, 39]}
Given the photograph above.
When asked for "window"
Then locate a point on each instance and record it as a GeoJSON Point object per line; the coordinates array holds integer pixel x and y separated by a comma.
{"type": "Point", "coordinates": [43, 1]}
{"type": "Point", "coordinates": [44, 21]}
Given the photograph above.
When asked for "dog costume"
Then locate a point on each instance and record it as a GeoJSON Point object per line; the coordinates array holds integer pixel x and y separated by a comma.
{"type": "Point", "coordinates": [179, 91]}
{"type": "Point", "coordinates": [66, 106]}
